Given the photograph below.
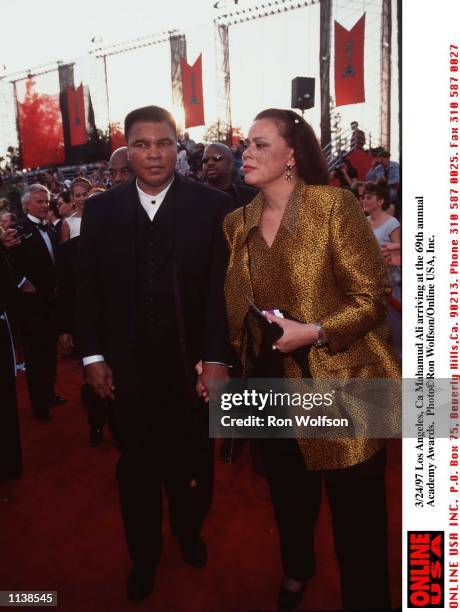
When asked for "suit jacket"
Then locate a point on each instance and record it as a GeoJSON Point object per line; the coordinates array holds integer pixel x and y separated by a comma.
{"type": "Point", "coordinates": [57, 229]}
{"type": "Point", "coordinates": [106, 281]}
{"type": "Point", "coordinates": [241, 194]}
{"type": "Point", "coordinates": [8, 289]}
{"type": "Point", "coordinates": [334, 274]}
{"type": "Point", "coordinates": [31, 259]}
{"type": "Point", "coordinates": [66, 296]}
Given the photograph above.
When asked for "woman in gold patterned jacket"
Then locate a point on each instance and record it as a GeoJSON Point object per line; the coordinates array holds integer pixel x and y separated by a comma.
{"type": "Point", "coordinates": [306, 249]}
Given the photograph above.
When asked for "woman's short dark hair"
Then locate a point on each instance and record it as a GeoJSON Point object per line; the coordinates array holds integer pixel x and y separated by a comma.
{"type": "Point", "coordinates": [154, 114]}
{"type": "Point", "coordinates": [299, 135]}
{"type": "Point", "coordinates": [379, 189]}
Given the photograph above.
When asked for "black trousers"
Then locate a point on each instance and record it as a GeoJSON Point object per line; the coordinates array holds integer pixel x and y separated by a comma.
{"type": "Point", "coordinates": [39, 339]}
{"type": "Point", "coordinates": [10, 443]}
{"type": "Point", "coordinates": [174, 454]}
{"type": "Point", "coordinates": [357, 498]}
{"type": "Point", "coordinates": [96, 406]}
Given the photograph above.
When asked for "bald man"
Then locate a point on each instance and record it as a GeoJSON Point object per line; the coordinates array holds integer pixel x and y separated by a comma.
{"type": "Point", "coordinates": [217, 166]}
{"type": "Point", "coordinates": [120, 170]}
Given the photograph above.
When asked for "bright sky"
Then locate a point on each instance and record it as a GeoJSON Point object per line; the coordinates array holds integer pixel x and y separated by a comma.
{"type": "Point", "coordinates": [265, 54]}
{"type": "Point", "coordinates": [47, 30]}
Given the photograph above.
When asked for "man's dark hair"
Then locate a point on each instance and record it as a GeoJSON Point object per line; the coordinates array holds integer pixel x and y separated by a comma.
{"type": "Point", "coordinates": [65, 195]}
{"type": "Point", "coordinates": [154, 114]}
{"type": "Point", "coordinates": [299, 135]}
{"type": "Point", "coordinates": [54, 208]}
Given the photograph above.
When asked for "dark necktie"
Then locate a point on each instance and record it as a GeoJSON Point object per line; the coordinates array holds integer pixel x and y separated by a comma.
{"type": "Point", "coordinates": [41, 226]}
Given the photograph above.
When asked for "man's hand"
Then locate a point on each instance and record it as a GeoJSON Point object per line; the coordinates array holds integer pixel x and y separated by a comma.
{"type": "Point", "coordinates": [295, 334]}
{"type": "Point", "coordinates": [10, 238]}
{"type": "Point", "coordinates": [99, 377]}
{"type": "Point", "coordinates": [209, 372]}
{"type": "Point", "coordinates": [65, 344]}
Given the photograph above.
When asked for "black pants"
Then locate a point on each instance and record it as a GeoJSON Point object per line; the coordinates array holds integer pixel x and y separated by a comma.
{"type": "Point", "coordinates": [10, 443]}
{"type": "Point", "coordinates": [357, 500]}
{"type": "Point", "coordinates": [39, 339]}
{"type": "Point", "coordinates": [174, 452]}
{"type": "Point", "coordinates": [96, 406]}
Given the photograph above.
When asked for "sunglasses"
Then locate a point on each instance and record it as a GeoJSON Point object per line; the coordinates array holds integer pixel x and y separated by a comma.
{"type": "Point", "coordinates": [215, 158]}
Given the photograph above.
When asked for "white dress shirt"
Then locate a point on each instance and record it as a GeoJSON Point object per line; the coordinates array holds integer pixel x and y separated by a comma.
{"type": "Point", "coordinates": [151, 204]}
{"type": "Point", "coordinates": [45, 237]}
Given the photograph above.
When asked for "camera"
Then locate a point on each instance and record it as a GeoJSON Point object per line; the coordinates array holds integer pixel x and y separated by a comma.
{"type": "Point", "coordinates": [22, 232]}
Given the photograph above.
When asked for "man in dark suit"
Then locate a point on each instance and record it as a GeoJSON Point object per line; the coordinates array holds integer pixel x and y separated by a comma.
{"type": "Point", "coordinates": [218, 165]}
{"type": "Point", "coordinates": [34, 262]}
{"type": "Point", "coordinates": [150, 307]}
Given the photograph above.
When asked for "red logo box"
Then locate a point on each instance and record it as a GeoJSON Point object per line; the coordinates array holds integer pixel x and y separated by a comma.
{"type": "Point", "coordinates": [425, 569]}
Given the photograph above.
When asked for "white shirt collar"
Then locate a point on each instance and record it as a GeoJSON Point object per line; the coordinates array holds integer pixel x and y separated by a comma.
{"type": "Point", "coordinates": [34, 219]}
{"type": "Point", "coordinates": [147, 200]}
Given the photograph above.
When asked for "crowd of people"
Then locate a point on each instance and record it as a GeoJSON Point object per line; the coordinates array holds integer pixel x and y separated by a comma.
{"type": "Point", "coordinates": [144, 268]}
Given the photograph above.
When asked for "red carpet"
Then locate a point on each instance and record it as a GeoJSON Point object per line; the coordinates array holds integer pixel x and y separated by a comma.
{"type": "Point", "coordinates": [60, 527]}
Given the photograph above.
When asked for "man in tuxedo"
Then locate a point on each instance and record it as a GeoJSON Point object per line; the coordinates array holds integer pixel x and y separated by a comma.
{"type": "Point", "coordinates": [34, 262]}
{"type": "Point", "coordinates": [218, 165]}
{"type": "Point", "coordinates": [150, 307]}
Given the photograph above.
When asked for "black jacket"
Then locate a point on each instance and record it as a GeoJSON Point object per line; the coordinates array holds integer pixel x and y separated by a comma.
{"type": "Point", "coordinates": [31, 259]}
{"type": "Point", "coordinates": [106, 292]}
{"type": "Point", "coordinates": [66, 296]}
{"type": "Point", "coordinates": [241, 194]}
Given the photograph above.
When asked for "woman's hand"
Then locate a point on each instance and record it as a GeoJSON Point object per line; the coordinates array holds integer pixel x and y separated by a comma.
{"type": "Point", "coordinates": [295, 334]}
{"type": "Point", "coordinates": [392, 253]}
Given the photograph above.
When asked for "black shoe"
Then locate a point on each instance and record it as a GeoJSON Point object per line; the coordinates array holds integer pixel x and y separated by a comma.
{"type": "Point", "coordinates": [194, 552]}
{"type": "Point", "coordinates": [95, 436]}
{"type": "Point", "coordinates": [140, 582]}
{"type": "Point", "coordinates": [289, 600]}
{"type": "Point", "coordinates": [57, 400]}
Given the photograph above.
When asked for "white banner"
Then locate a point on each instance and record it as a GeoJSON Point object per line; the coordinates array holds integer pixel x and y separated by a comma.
{"type": "Point", "coordinates": [431, 286]}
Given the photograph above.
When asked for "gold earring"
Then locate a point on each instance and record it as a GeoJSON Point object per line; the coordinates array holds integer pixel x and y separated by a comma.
{"type": "Point", "coordinates": [288, 169]}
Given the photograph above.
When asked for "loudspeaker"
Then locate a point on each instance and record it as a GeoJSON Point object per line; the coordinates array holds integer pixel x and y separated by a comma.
{"type": "Point", "coordinates": [303, 93]}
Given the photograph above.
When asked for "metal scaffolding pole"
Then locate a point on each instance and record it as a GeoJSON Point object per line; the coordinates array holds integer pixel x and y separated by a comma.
{"type": "Point", "coordinates": [178, 46]}
{"type": "Point", "coordinates": [324, 69]}
{"type": "Point", "coordinates": [224, 116]}
{"type": "Point", "coordinates": [385, 75]}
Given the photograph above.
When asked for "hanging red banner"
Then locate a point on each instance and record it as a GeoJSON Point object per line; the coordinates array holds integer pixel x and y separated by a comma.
{"type": "Point", "coordinates": [117, 137]}
{"type": "Point", "coordinates": [77, 116]}
{"type": "Point", "coordinates": [349, 63]}
{"type": "Point", "coordinates": [192, 88]}
{"type": "Point", "coordinates": [40, 128]}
